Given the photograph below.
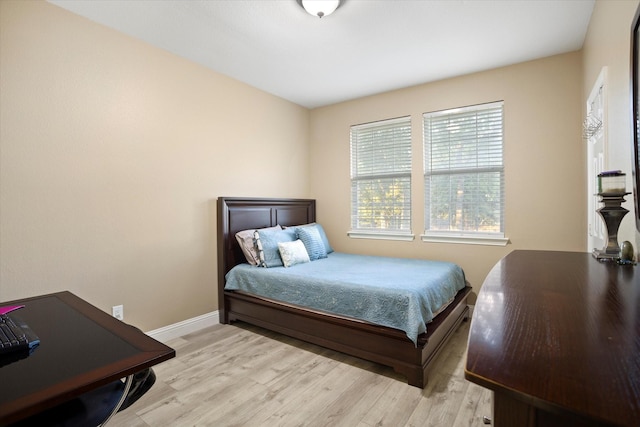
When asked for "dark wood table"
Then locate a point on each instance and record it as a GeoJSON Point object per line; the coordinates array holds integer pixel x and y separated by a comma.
{"type": "Point", "coordinates": [556, 337]}
{"type": "Point", "coordinates": [81, 348]}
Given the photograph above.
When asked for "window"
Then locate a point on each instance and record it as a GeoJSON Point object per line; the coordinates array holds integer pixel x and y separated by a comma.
{"type": "Point", "coordinates": [381, 179]}
{"type": "Point", "coordinates": [464, 175]}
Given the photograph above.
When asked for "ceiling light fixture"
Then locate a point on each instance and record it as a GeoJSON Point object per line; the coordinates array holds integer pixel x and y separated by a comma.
{"type": "Point", "coordinates": [320, 8]}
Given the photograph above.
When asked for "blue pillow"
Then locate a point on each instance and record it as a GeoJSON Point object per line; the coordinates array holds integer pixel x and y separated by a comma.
{"type": "Point", "coordinates": [323, 235]}
{"type": "Point", "coordinates": [310, 236]}
{"type": "Point", "coordinates": [267, 242]}
{"type": "Point", "coordinates": [324, 238]}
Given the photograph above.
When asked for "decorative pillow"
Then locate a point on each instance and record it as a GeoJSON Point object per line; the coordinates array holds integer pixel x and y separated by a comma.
{"type": "Point", "coordinates": [293, 253]}
{"type": "Point", "coordinates": [323, 235]}
{"type": "Point", "coordinates": [267, 244]}
{"type": "Point", "coordinates": [310, 236]}
{"type": "Point", "coordinates": [324, 238]}
{"type": "Point", "coordinates": [247, 243]}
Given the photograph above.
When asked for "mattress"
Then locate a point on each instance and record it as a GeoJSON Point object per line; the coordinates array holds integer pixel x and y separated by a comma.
{"type": "Point", "coordinates": [400, 293]}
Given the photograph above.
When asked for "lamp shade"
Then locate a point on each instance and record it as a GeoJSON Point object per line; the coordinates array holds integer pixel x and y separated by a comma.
{"type": "Point", "coordinates": [320, 8]}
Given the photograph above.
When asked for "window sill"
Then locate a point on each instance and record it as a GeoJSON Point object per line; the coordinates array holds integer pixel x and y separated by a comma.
{"type": "Point", "coordinates": [379, 235]}
{"type": "Point", "coordinates": [467, 240]}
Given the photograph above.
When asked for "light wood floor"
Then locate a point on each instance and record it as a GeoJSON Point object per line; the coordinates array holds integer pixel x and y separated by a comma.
{"type": "Point", "coordinates": [241, 375]}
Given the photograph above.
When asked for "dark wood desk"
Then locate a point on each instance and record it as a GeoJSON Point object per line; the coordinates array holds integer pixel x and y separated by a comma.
{"type": "Point", "coordinates": [81, 348]}
{"type": "Point", "coordinates": [556, 337]}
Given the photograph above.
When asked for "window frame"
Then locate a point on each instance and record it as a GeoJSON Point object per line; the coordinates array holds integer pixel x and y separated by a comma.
{"type": "Point", "coordinates": [461, 236]}
{"type": "Point", "coordinates": [382, 234]}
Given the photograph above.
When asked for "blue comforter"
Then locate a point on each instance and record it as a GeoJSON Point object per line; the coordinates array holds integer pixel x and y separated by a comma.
{"type": "Point", "coordinates": [399, 293]}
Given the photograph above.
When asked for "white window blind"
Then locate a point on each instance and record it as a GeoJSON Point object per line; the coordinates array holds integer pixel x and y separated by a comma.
{"type": "Point", "coordinates": [464, 171]}
{"type": "Point", "coordinates": [381, 177]}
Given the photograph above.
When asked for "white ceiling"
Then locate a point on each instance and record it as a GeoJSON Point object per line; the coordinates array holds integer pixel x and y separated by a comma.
{"type": "Point", "coordinates": [365, 47]}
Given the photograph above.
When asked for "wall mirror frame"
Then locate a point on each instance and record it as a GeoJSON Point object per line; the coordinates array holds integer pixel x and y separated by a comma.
{"type": "Point", "coordinates": [635, 108]}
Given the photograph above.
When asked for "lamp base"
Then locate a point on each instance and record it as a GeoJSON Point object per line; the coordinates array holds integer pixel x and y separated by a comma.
{"type": "Point", "coordinates": [602, 255]}
{"type": "Point", "coordinates": [612, 213]}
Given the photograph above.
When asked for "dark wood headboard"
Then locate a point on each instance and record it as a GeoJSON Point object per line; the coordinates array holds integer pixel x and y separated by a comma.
{"type": "Point", "coordinates": [237, 214]}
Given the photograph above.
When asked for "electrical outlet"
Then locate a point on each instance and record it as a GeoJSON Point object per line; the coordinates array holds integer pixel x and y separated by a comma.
{"type": "Point", "coordinates": [118, 312]}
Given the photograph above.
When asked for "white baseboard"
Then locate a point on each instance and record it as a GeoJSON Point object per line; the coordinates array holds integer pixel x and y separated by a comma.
{"type": "Point", "coordinates": [169, 332]}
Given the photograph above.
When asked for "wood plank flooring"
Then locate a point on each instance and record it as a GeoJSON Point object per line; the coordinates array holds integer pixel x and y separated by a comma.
{"type": "Point", "coordinates": [241, 375]}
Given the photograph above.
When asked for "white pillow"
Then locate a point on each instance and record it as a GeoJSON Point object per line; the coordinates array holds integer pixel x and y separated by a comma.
{"type": "Point", "coordinates": [293, 253]}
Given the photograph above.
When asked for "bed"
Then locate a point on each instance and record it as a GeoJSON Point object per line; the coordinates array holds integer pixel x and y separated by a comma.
{"type": "Point", "coordinates": [385, 345]}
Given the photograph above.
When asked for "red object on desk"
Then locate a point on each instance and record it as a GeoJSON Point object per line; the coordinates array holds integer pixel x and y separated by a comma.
{"type": "Point", "coordinates": [9, 308]}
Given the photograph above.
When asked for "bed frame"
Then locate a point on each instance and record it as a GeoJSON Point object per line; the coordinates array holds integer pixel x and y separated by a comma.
{"type": "Point", "coordinates": [387, 346]}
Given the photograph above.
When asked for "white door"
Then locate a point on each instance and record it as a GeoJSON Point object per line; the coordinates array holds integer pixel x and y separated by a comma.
{"type": "Point", "coordinates": [595, 133]}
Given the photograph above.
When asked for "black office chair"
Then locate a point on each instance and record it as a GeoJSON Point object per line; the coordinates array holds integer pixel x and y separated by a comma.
{"type": "Point", "coordinates": [96, 407]}
{"type": "Point", "coordinates": [142, 382]}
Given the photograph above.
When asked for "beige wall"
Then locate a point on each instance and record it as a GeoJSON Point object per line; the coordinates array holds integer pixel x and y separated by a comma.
{"type": "Point", "coordinates": [112, 153]}
{"type": "Point", "coordinates": [545, 196]}
{"type": "Point", "coordinates": [608, 44]}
